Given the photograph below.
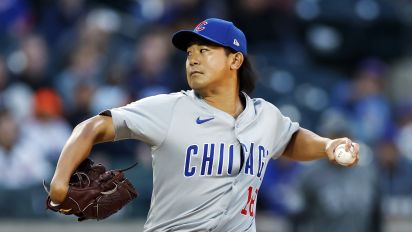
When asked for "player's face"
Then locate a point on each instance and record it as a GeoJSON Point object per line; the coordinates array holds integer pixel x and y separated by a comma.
{"type": "Point", "coordinates": [207, 66]}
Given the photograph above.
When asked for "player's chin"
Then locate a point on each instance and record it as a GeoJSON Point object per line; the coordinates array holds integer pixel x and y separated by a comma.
{"type": "Point", "coordinates": [196, 83]}
{"type": "Point", "coordinates": [195, 77]}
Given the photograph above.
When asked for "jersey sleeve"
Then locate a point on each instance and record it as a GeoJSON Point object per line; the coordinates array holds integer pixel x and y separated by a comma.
{"type": "Point", "coordinates": [146, 120]}
{"type": "Point", "coordinates": [283, 130]}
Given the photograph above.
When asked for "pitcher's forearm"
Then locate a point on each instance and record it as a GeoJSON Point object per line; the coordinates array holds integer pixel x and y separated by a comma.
{"type": "Point", "coordinates": [305, 145]}
{"type": "Point", "coordinates": [74, 152]}
{"type": "Point", "coordinates": [77, 148]}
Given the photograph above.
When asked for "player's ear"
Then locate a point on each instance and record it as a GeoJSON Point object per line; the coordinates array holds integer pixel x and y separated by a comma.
{"type": "Point", "coordinates": [236, 60]}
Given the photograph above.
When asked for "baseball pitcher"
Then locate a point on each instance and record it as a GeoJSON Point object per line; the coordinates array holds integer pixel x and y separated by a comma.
{"type": "Point", "coordinates": [210, 145]}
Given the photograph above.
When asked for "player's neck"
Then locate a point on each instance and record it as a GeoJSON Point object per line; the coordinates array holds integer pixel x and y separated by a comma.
{"type": "Point", "coordinates": [227, 101]}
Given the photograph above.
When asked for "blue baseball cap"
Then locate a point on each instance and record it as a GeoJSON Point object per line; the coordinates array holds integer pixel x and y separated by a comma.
{"type": "Point", "coordinates": [215, 30]}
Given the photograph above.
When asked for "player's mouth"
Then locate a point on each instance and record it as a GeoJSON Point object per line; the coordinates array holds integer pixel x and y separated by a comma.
{"type": "Point", "coordinates": [194, 73]}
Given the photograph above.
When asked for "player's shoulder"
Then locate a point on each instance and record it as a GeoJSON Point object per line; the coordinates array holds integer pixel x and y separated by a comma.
{"type": "Point", "coordinates": [169, 98]}
{"type": "Point", "coordinates": [261, 104]}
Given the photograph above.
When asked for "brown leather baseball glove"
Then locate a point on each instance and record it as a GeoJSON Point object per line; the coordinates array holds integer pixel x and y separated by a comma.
{"type": "Point", "coordinates": [95, 193]}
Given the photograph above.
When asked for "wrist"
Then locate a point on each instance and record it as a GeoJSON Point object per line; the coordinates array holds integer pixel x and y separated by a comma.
{"type": "Point", "coordinates": [328, 148]}
{"type": "Point", "coordinates": [58, 191]}
{"type": "Point", "coordinates": [327, 144]}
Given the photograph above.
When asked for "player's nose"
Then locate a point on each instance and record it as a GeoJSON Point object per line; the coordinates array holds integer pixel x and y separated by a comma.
{"type": "Point", "coordinates": [193, 60]}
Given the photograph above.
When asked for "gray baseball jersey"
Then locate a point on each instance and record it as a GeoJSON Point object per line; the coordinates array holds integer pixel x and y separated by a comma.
{"type": "Point", "coordinates": [207, 165]}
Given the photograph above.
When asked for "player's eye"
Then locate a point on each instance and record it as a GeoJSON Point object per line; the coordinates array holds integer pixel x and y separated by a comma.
{"type": "Point", "coordinates": [202, 50]}
{"type": "Point", "coordinates": [188, 53]}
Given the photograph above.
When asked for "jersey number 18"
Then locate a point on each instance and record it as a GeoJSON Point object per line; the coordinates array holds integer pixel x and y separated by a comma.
{"type": "Point", "coordinates": [251, 199]}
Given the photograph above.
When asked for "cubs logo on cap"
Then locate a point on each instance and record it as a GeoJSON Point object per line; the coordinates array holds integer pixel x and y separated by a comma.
{"type": "Point", "coordinates": [200, 27]}
{"type": "Point", "coordinates": [215, 30]}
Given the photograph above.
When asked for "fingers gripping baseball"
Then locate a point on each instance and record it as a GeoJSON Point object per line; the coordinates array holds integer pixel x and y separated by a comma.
{"type": "Point", "coordinates": [337, 155]}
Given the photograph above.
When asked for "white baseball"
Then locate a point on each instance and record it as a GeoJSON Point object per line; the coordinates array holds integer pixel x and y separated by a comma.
{"type": "Point", "coordinates": [343, 157]}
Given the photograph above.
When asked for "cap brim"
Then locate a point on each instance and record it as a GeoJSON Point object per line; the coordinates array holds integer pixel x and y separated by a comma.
{"type": "Point", "coordinates": [182, 39]}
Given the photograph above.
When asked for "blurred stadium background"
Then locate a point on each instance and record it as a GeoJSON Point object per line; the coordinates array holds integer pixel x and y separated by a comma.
{"type": "Point", "coordinates": [340, 68]}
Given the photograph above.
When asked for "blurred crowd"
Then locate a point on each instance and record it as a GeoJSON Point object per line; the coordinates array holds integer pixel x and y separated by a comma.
{"type": "Point", "coordinates": [340, 68]}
